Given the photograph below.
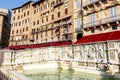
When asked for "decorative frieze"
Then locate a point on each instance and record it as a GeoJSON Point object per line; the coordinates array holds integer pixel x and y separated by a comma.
{"type": "Point", "coordinates": [92, 56]}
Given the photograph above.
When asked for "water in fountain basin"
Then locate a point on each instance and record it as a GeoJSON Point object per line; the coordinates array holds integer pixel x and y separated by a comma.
{"type": "Point", "coordinates": [61, 74]}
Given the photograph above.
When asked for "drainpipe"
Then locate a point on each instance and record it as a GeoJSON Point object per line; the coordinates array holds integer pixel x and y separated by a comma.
{"type": "Point", "coordinates": [82, 14]}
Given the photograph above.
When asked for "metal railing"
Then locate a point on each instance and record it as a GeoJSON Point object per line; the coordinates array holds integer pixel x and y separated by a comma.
{"type": "Point", "coordinates": [89, 2]}
{"type": "Point", "coordinates": [58, 3]}
{"type": "Point", "coordinates": [94, 1]}
{"type": "Point", "coordinates": [103, 21]}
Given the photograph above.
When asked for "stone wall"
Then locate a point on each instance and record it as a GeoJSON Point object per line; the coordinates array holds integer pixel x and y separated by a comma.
{"type": "Point", "coordinates": [103, 56]}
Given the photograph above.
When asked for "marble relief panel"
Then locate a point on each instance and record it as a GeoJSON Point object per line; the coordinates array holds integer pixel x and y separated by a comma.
{"type": "Point", "coordinates": [19, 57]}
{"type": "Point", "coordinates": [59, 52]}
{"type": "Point", "coordinates": [67, 53]}
{"type": "Point", "coordinates": [79, 53]}
{"type": "Point", "coordinates": [95, 52]}
{"type": "Point", "coordinates": [86, 52]}
{"type": "Point", "coordinates": [112, 56]}
{"type": "Point", "coordinates": [35, 55]}
{"type": "Point", "coordinates": [41, 54]}
{"type": "Point", "coordinates": [91, 53]}
{"type": "Point", "coordinates": [101, 52]}
{"type": "Point", "coordinates": [47, 54]}
{"type": "Point", "coordinates": [7, 55]}
{"type": "Point", "coordinates": [52, 53]}
{"type": "Point", "coordinates": [7, 58]}
{"type": "Point", "coordinates": [113, 51]}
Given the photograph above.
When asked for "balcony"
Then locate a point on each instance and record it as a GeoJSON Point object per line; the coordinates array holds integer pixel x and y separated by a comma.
{"type": "Point", "coordinates": [112, 3]}
{"type": "Point", "coordinates": [58, 3]}
{"type": "Point", "coordinates": [110, 19]}
{"type": "Point", "coordinates": [89, 3]}
{"type": "Point", "coordinates": [97, 8]}
{"type": "Point", "coordinates": [92, 24]}
{"type": "Point", "coordinates": [103, 21]}
{"type": "Point", "coordinates": [91, 10]}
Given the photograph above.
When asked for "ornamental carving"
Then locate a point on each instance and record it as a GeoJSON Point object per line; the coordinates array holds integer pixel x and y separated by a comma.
{"type": "Point", "coordinates": [91, 55]}
{"type": "Point", "coordinates": [111, 45]}
{"type": "Point", "coordinates": [101, 53]}
{"type": "Point", "coordinates": [81, 52]}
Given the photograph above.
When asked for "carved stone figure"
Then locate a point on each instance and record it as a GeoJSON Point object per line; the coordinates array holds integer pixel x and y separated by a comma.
{"type": "Point", "coordinates": [91, 53]}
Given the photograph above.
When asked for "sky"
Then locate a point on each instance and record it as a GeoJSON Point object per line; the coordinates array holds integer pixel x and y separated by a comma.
{"type": "Point", "coordinates": [10, 4]}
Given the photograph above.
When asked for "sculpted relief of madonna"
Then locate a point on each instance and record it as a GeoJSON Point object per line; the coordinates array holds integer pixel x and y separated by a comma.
{"type": "Point", "coordinates": [91, 54]}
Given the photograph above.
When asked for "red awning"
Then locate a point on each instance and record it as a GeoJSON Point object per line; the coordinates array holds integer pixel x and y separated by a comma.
{"type": "Point", "coordinates": [59, 43]}
{"type": "Point", "coordinates": [103, 37]}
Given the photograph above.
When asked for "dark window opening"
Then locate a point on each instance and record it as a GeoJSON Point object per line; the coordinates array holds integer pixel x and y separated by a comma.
{"type": "Point", "coordinates": [114, 27]}
{"type": "Point", "coordinates": [66, 11]}
{"type": "Point", "coordinates": [52, 16]}
{"type": "Point", "coordinates": [93, 31]}
{"type": "Point", "coordinates": [79, 35]}
{"type": "Point", "coordinates": [58, 14]}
